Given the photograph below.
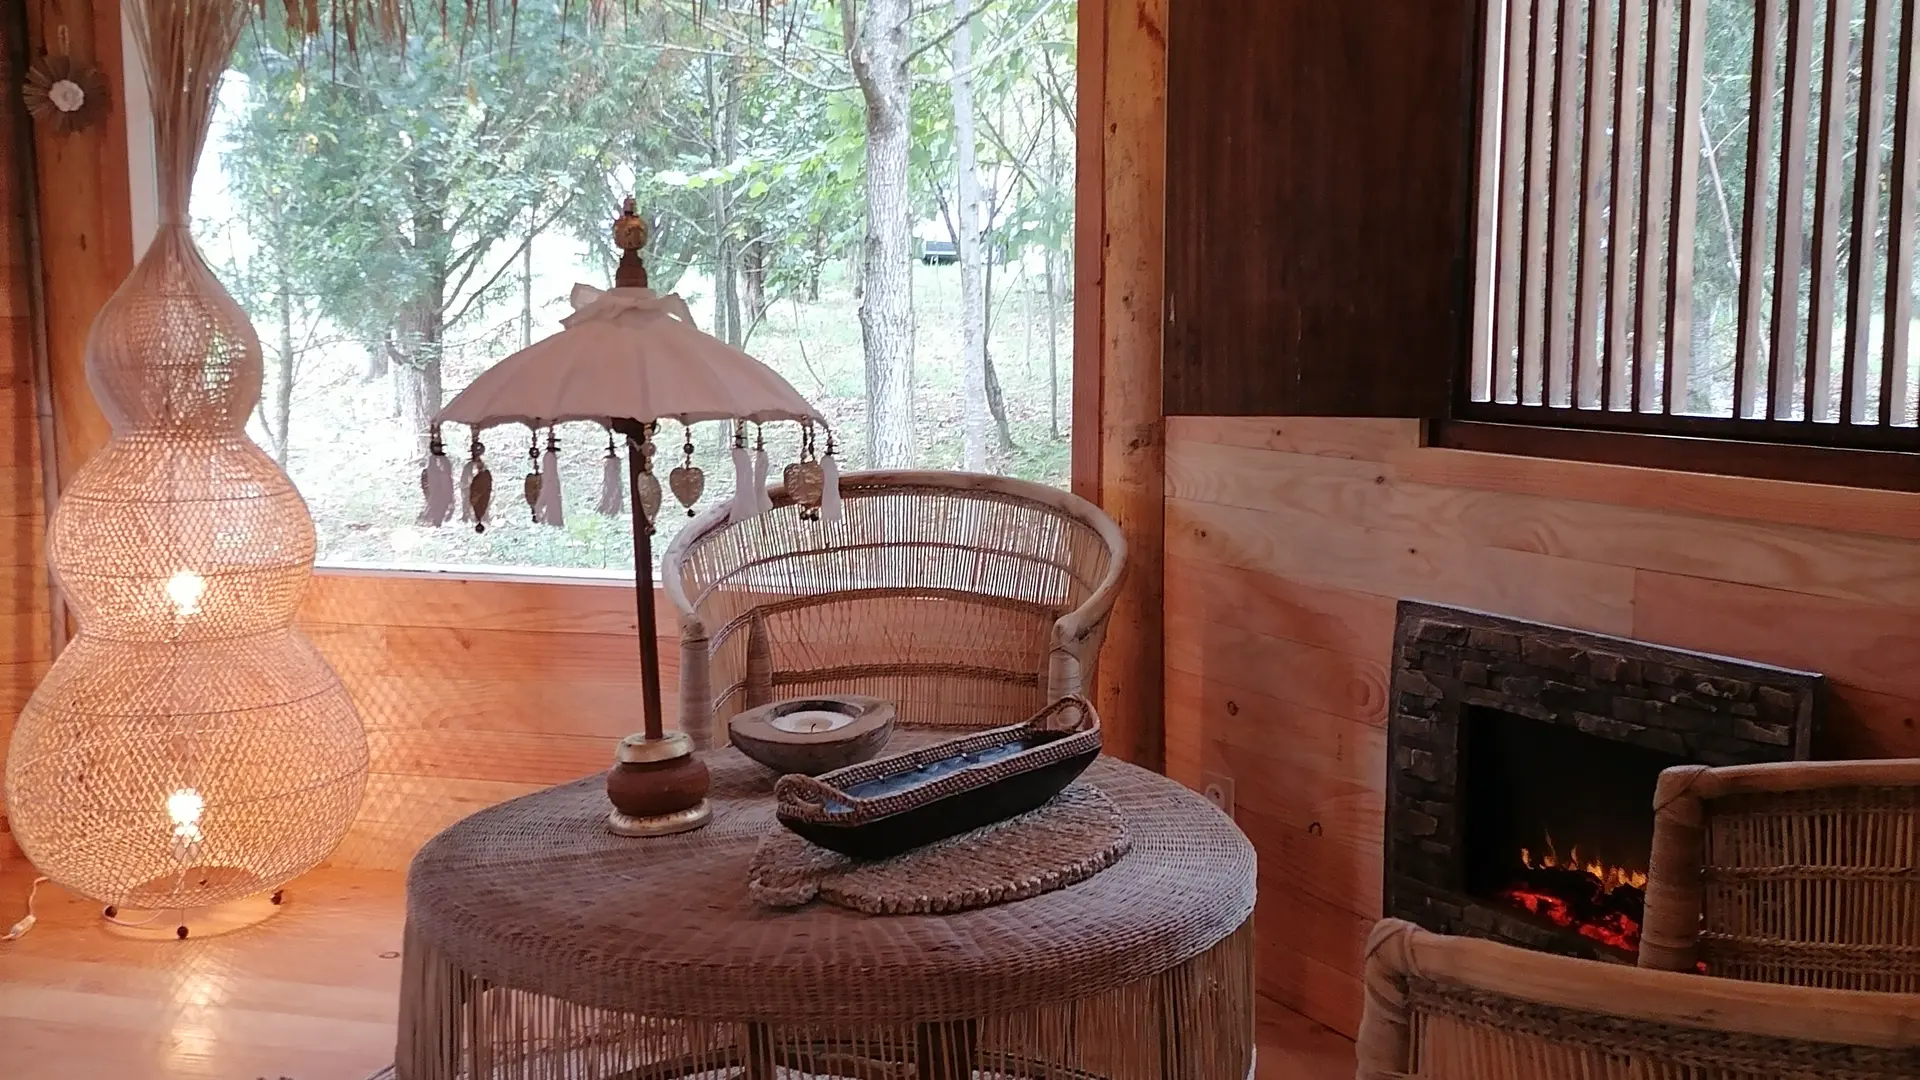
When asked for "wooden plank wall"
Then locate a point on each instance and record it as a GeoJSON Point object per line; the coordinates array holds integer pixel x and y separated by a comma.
{"type": "Point", "coordinates": [1318, 182]}
{"type": "Point", "coordinates": [477, 689]}
{"type": "Point", "coordinates": [1289, 541]}
{"type": "Point", "coordinates": [86, 218]}
{"type": "Point", "coordinates": [23, 589]}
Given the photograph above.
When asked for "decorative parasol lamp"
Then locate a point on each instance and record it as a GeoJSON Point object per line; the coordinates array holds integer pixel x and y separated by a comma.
{"type": "Point", "coordinates": [628, 359]}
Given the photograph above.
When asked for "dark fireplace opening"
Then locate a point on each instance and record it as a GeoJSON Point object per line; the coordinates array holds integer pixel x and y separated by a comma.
{"type": "Point", "coordinates": [1559, 825]}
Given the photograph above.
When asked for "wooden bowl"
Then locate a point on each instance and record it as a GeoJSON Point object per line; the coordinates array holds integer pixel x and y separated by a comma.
{"type": "Point", "coordinates": [813, 735]}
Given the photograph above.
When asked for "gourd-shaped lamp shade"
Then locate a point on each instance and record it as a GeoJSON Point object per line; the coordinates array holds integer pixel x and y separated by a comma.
{"type": "Point", "coordinates": [188, 747]}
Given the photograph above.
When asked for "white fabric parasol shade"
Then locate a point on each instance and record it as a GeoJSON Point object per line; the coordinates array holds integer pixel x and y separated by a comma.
{"type": "Point", "coordinates": [626, 354]}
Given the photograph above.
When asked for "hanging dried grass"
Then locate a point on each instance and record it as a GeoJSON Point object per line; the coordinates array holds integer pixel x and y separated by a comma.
{"type": "Point", "coordinates": [187, 44]}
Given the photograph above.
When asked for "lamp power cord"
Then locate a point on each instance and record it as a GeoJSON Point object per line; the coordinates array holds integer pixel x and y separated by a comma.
{"type": "Point", "coordinates": [19, 929]}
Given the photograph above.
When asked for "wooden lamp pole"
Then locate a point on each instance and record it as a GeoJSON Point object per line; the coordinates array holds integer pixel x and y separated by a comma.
{"type": "Point", "coordinates": [636, 433]}
{"type": "Point", "coordinates": [657, 785]}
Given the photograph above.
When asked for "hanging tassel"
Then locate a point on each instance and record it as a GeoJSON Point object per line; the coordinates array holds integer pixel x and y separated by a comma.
{"type": "Point", "coordinates": [830, 485]}
{"type": "Point", "coordinates": [549, 511]}
{"type": "Point", "coordinates": [762, 502]}
{"type": "Point", "coordinates": [436, 483]}
{"type": "Point", "coordinates": [612, 487]}
{"type": "Point", "coordinates": [745, 503]}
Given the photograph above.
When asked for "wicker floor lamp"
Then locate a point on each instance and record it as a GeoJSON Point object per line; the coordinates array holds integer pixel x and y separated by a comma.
{"type": "Point", "coordinates": [187, 748]}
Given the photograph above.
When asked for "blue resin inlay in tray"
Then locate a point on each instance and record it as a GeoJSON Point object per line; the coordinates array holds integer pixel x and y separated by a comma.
{"type": "Point", "coordinates": [906, 781]}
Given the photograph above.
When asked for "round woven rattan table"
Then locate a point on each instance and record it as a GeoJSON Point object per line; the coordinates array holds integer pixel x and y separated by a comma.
{"type": "Point", "coordinates": [539, 947]}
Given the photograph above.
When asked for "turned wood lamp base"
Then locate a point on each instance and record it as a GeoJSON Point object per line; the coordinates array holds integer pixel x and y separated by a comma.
{"type": "Point", "coordinates": [657, 787]}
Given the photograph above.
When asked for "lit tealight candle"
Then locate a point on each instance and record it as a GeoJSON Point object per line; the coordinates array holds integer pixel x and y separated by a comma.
{"type": "Point", "coordinates": [811, 721]}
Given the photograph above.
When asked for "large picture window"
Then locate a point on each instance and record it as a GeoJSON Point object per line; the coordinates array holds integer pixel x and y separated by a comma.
{"type": "Point", "coordinates": [396, 218]}
{"type": "Point", "coordinates": [1699, 218]}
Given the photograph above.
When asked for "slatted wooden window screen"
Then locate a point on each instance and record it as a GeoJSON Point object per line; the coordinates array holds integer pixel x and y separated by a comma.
{"type": "Point", "coordinates": [1700, 216]}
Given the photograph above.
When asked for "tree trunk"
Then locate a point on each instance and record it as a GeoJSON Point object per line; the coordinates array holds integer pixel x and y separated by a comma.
{"type": "Point", "coordinates": [526, 286]}
{"type": "Point", "coordinates": [996, 403]}
{"type": "Point", "coordinates": [1026, 325]}
{"type": "Point", "coordinates": [877, 51]}
{"type": "Point", "coordinates": [973, 304]}
{"type": "Point", "coordinates": [819, 249]}
{"type": "Point", "coordinates": [417, 374]}
{"type": "Point", "coordinates": [376, 361]}
{"type": "Point", "coordinates": [753, 275]}
{"type": "Point", "coordinates": [723, 108]}
{"type": "Point", "coordinates": [420, 333]}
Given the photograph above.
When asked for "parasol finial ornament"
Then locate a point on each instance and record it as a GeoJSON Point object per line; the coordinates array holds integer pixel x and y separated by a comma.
{"type": "Point", "coordinates": [630, 235]}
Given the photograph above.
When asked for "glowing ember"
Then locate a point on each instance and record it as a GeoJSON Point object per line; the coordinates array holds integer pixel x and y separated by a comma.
{"type": "Point", "coordinates": [1598, 901]}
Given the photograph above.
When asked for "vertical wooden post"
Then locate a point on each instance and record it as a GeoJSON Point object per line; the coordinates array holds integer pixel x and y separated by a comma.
{"type": "Point", "coordinates": [1129, 79]}
{"type": "Point", "coordinates": [1089, 246]}
{"type": "Point", "coordinates": [86, 217]}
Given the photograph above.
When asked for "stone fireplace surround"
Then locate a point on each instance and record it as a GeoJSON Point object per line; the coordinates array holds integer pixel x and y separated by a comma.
{"type": "Point", "coordinates": [1707, 709]}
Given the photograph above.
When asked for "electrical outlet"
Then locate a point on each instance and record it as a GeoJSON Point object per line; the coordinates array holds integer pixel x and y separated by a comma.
{"type": "Point", "coordinates": [1219, 792]}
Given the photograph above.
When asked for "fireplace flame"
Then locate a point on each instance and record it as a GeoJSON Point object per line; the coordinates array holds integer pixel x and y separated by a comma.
{"type": "Point", "coordinates": [1609, 877]}
{"type": "Point", "coordinates": [1588, 896]}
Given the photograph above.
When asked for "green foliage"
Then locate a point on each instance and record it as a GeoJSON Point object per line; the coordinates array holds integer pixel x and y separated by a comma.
{"type": "Point", "coordinates": [377, 207]}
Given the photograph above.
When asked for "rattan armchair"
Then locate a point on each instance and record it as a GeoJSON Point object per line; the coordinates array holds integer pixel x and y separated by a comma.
{"type": "Point", "coordinates": [1448, 1008]}
{"type": "Point", "coordinates": [1803, 872]}
{"type": "Point", "coordinates": [967, 600]}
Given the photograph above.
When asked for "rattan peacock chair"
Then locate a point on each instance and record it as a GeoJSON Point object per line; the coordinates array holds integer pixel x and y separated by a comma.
{"type": "Point", "coordinates": [1452, 1008]}
{"type": "Point", "coordinates": [1800, 872]}
{"type": "Point", "coordinates": [967, 600]}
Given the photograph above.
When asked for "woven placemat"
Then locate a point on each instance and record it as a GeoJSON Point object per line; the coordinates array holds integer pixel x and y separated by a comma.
{"type": "Point", "coordinates": [1070, 839]}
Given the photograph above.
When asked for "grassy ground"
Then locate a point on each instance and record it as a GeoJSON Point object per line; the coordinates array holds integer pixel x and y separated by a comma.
{"type": "Point", "coordinates": [349, 454]}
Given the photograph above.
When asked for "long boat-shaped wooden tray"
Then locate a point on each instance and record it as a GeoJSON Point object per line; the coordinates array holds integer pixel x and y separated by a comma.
{"type": "Point", "coordinates": [883, 807]}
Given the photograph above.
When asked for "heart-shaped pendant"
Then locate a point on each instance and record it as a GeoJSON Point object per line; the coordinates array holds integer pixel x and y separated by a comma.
{"type": "Point", "coordinates": [687, 482]}
{"type": "Point", "coordinates": [805, 482]}
{"type": "Point", "coordinates": [649, 487]}
{"type": "Point", "coordinates": [532, 490]}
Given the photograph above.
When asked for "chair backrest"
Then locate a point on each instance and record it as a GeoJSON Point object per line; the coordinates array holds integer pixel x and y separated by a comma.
{"type": "Point", "coordinates": [1447, 1008]}
{"type": "Point", "coordinates": [1806, 873]}
{"type": "Point", "coordinates": [966, 600]}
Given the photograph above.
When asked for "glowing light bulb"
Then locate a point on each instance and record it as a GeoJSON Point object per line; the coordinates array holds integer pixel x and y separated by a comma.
{"type": "Point", "coordinates": [185, 590]}
{"type": "Point", "coordinates": [184, 807]}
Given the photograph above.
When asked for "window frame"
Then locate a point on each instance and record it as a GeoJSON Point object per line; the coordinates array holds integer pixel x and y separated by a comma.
{"type": "Point", "coordinates": [1836, 453]}
{"type": "Point", "coordinates": [128, 85]}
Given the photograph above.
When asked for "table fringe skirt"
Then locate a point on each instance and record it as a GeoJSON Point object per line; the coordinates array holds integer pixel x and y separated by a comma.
{"type": "Point", "coordinates": [1192, 1022]}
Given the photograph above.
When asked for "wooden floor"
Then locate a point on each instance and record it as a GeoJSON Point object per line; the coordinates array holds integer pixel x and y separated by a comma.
{"type": "Point", "coordinates": [308, 995]}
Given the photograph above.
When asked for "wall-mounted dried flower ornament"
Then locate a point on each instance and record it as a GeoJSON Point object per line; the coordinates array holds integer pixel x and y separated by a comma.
{"type": "Point", "coordinates": [63, 94]}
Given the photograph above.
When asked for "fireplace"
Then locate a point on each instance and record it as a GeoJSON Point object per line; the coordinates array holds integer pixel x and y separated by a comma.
{"type": "Point", "coordinates": [1522, 760]}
